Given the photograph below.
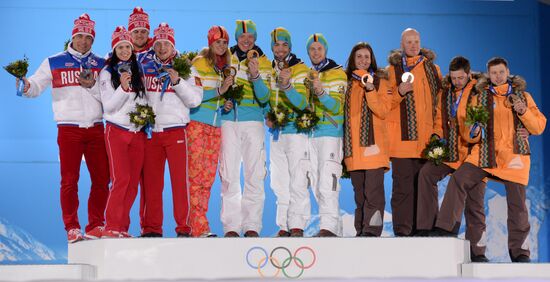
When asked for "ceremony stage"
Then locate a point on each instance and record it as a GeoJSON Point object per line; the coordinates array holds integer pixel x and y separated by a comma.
{"type": "Point", "coordinates": [256, 258]}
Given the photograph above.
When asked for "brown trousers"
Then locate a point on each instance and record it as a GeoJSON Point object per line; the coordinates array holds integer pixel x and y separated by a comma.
{"type": "Point", "coordinates": [404, 194]}
{"type": "Point", "coordinates": [428, 206]}
{"type": "Point", "coordinates": [368, 186]}
{"type": "Point", "coordinates": [466, 178]}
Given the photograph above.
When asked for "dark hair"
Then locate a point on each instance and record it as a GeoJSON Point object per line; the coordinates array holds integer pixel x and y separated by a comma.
{"type": "Point", "coordinates": [351, 59]}
{"type": "Point", "coordinates": [459, 63]}
{"type": "Point", "coordinates": [136, 81]}
{"type": "Point", "coordinates": [496, 61]}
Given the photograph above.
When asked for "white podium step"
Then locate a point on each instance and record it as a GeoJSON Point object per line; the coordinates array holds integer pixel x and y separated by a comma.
{"type": "Point", "coordinates": [53, 272]}
{"type": "Point", "coordinates": [238, 258]}
{"type": "Point", "coordinates": [506, 270]}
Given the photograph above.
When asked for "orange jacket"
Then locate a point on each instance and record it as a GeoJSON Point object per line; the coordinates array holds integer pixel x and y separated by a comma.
{"type": "Point", "coordinates": [374, 156]}
{"type": "Point", "coordinates": [423, 104]}
{"type": "Point", "coordinates": [460, 119]}
{"type": "Point", "coordinates": [510, 166]}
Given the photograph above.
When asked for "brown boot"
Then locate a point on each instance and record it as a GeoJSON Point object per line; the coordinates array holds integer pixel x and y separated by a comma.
{"type": "Point", "coordinates": [283, 233]}
{"type": "Point", "coordinates": [325, 233]}
{"type": "Point", "coordinates": [296, 232]}
{"type": "Point", "coordinates": [231, 234]}
{"type": "Point", "coordinates": [251, 233]}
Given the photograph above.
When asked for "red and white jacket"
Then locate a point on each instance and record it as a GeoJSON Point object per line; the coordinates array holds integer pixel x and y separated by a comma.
{"type": "Point", "coordinates": [117, 103]}
{"type": "Point", "coordinates": [72, 103]}
{"type": "Point", "coordinates": [173, 109]}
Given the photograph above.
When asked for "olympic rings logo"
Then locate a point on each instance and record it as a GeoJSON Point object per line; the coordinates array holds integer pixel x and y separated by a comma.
{"type": "Point", "coordinates": [258, 258]}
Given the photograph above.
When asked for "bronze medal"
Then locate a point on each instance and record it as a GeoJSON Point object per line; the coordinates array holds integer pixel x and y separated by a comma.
{"type": "Point", "coordinates": [509, 102]}
{"type": "Point", "coordinates": [366, 78]}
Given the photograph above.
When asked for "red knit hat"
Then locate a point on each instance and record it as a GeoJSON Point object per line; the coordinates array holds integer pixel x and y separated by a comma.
{"type": "Point", "coordinates": [138, 20]}
{"type": "Point", "coordinates": [217, 32]}
{"type": "Point", "coordinates": [166, 33]}
{"type": "Point", "coordinates": [120, 35]}
{"type": "Point", "coordinates": [84, 25]}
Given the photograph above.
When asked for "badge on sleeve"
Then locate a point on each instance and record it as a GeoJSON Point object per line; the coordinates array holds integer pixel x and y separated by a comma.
{"type": "Point", "coordinates": [198, 81]}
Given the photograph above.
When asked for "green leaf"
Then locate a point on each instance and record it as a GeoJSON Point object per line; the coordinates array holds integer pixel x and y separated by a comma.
{"type": "Point", "coordinates": [477, 114]}
{"type": "Point", "coordinates": [234, 93]}
{"type": "Point", "coordinates": [18, 68]}
{"type": "Point", "coordinates": [279, 116]}
{"type": "Point", "coordinates": [183, 62]}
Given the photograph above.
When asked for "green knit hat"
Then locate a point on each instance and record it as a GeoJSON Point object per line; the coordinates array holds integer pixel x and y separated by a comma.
{"type": "Point", "coordinates": [245, 26]}
{"type": "Point", "coordinates": [280, 33]}
{"type": "Point", "coordinates": [317, 37]}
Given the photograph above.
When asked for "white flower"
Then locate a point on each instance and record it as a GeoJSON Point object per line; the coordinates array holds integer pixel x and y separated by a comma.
{"type": "Point", "coordinates": [438, 151]}
{"type": "Point", "coordinates": [431, 154]}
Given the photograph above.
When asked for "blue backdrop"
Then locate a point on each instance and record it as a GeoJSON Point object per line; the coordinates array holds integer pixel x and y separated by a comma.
{"type": "Point", "coordinates": [479, 30]}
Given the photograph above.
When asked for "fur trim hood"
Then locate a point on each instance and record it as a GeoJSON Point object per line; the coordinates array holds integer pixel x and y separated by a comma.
{"type": "Point", "coordinates": [395, 55]}
{"type": "Point", "coordinates": [517, 82]}
{"type": "Point", "coordinates": [382, 73]}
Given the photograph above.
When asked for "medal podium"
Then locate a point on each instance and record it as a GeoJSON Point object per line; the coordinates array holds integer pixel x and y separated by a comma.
{"type": "Point", "coordinates": [255, 258]}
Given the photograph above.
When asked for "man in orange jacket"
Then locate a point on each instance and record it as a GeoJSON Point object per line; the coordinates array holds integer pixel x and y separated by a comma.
{"type": "Point", "coordinates": [410, 123]}
{"type": "Point", "coordinates": [500, 152]}
{"type": "Point", "coordinates": [458, 86]}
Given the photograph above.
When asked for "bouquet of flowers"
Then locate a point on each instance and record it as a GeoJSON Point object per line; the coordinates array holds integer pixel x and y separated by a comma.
{"type": "Point", "coordinates": [183, 62]}
{"type": "Point", "coordinates": [436, 150]}
{"type": "Point", "coordinates": [306, 120]}
{"type": "Point", "coordinates": [234, 93]}
{"type": "Point", "coordinates": [19, 69]}
{"type": "Point", "coordinates": [143, 116]}
{"type": "Point", "coordinates": [279, 115]}
{"type": "Point", "coordinates": [476, 114]}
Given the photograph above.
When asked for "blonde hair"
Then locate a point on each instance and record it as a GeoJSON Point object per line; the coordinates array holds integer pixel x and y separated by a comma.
{"type": "Point", "coordinates": [210, 56]}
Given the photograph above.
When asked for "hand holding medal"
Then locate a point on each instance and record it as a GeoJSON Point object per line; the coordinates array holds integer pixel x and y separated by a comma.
{"type": "Point", "coordinates": [86, 77]}
{"type": "Point", "coordinates": [124, 70]}
{"type": "Point", "coordinates": [367, 80]}
{"type": "Point", "coordinates": [406, 86]}
{"type": "Point", "coordinates": [317, 86]}
{"type": "Point", "coordinates": [515, 102]}
{"type": "Point", "coordinates": [253, 64]}
{"type": "Point", "coordinates": [228, 74]}
{"type": "Point", "coordinates": [284, 78]}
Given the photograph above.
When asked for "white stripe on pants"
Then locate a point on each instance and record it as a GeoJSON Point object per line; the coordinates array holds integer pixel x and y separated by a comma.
{"type": "Point", "coordinates": [289, 166]}
{"type": "Point", "coordinates": [326, 162]}
{"type": "Point", "coordinates": [242, 141]}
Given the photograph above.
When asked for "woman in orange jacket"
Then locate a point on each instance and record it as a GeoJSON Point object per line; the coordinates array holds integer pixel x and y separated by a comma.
{"type": "Point", "coordinates": [365, 138]}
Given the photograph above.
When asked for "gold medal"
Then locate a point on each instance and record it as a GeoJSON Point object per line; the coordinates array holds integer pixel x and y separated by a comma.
{"type": "Point", "coordinates": [252, 54]}
{"type": "Point", "coordinates": [282, 64]}
{"type": "Point", "coordinates": [312, 75]}
{"type": "Point", "coordinates": [229, 71]}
